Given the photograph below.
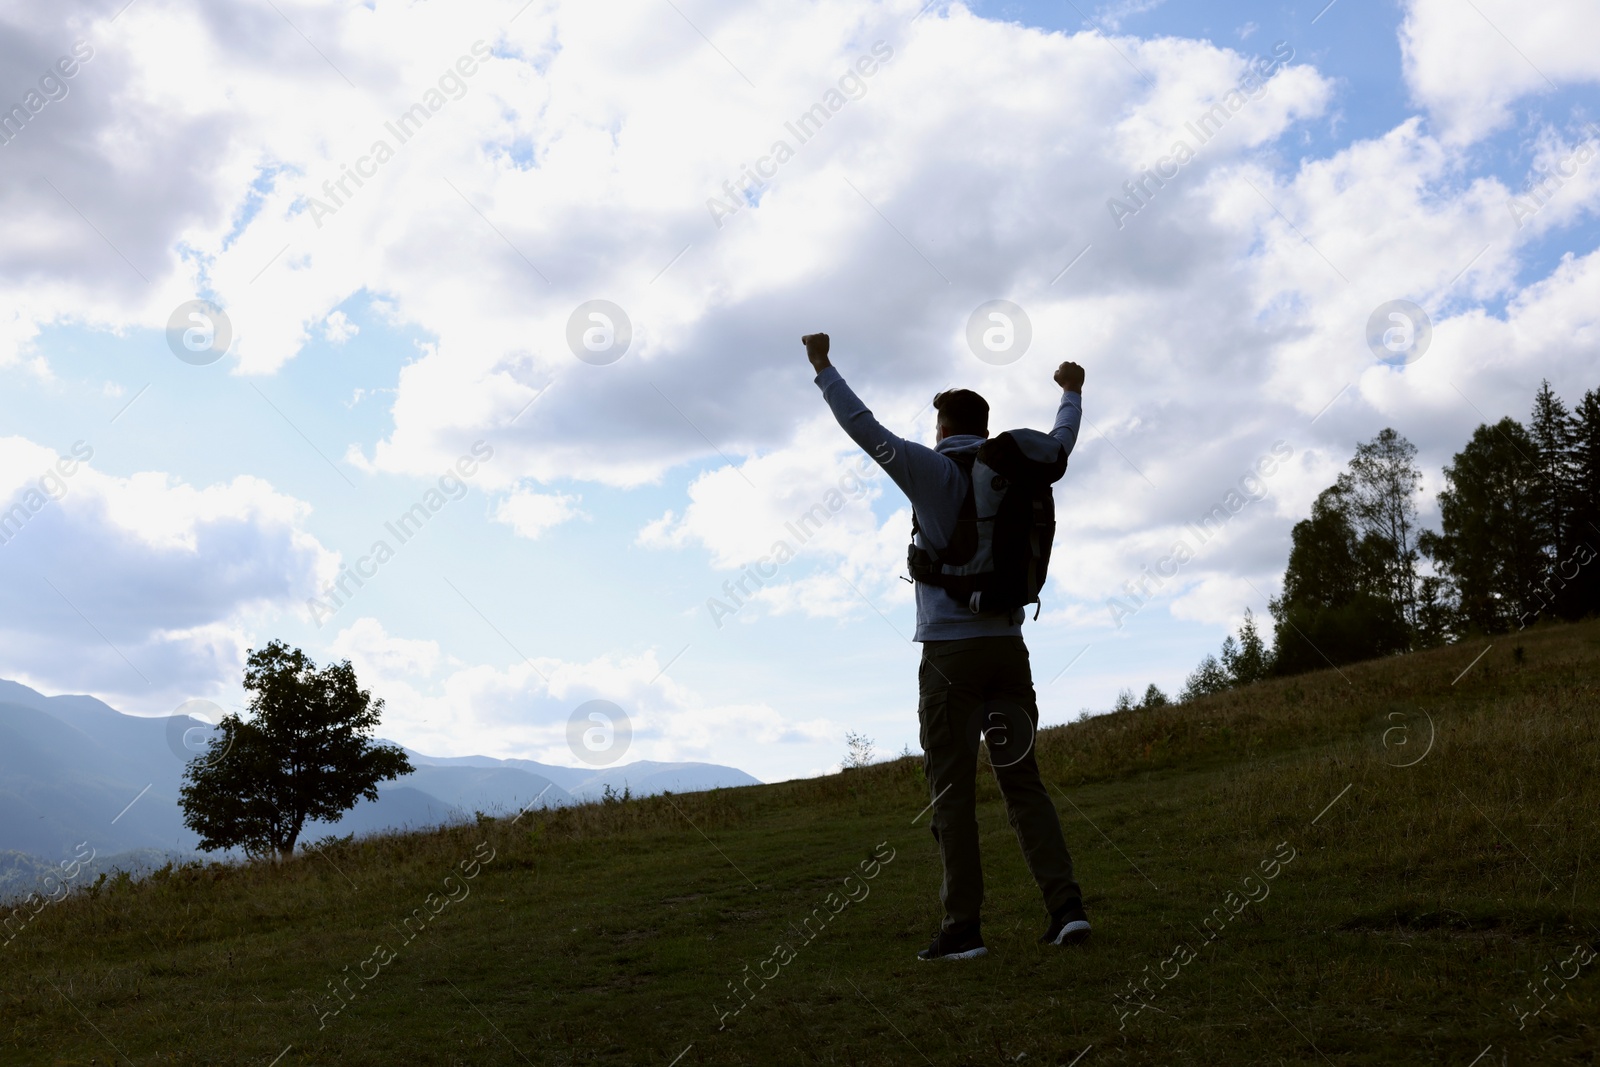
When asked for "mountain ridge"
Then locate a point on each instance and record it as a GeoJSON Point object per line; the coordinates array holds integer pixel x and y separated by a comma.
{"type": "Point", "coordinates": [75, 769]}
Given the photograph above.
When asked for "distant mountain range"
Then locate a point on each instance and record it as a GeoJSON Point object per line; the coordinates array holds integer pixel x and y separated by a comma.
{"type": "Point", "coordinates": [74, 769]}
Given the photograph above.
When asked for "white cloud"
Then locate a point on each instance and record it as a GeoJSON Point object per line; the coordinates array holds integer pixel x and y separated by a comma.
{"type": "Point", "coordinates": [366, 644]}
{"type": "Point", "coordinates": [817, 492]}
{"type": "Point", "coordinates": [1468, 65]}
{"type": "Point", "coordinates": [521, 711]}
{"type": "Point", "coordinates": [531, 514]}
{"type": "Point", "coordinates": [576, 164]}
{"type": "Point", "coordinates": [582, 108]}
{"type": "Point", "coordinates": [142, 589]}
{"type": "Point", "coordinates": [798, 525]}
{"type": "Point", "coordinates": [1111, 16]}
{"type": "Point", "coordinates": [337, 328]}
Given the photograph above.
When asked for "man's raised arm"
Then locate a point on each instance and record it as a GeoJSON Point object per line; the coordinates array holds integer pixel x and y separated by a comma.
{"type": "Point", "coordinates": [1070, 412]}
{"type": "Point", "coordinates": [906, 462]}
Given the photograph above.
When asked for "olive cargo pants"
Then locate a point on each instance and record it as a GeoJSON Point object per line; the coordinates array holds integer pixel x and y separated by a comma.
{"type": "Point", "coordinates": [985, 684]}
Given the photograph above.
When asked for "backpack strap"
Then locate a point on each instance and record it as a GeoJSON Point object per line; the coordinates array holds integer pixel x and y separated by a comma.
{"type": "Point", "coordinates": [924, 563]}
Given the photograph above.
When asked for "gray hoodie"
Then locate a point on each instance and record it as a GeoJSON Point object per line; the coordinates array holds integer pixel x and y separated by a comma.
{"type": "Point", "coordinates": [935, 485]}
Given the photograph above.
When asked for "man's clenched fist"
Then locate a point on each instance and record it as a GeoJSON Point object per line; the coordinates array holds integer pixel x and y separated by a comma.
{"type": "Point", "coordinates": [1070, 377]}
{"type": "Point", "coordinates": [817, 351]}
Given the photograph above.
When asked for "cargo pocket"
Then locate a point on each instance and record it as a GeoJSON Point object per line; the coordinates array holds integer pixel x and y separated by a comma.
{"type": "Point", "coordinates": [933, 719]}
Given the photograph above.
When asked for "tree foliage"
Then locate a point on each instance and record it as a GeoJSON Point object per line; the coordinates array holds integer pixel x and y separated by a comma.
{"type": "Point", "coordinates": [1553, 434]}
{"type": "Point", "coordinates": [1378, 492]}
{"type": "Point", "coordinates": [1518, 541]}
{"type": "Point", "coordinates": [1342, 588]}
{"type": "Point", "coordinates": [1492, 543]}
{"type": "Point", "coordinates": [1580, 593]}
{"type": "Point", "coordinates": [1245, 659]}
{"type": "Point", "coordinates": [1209, 677]}
{"type": "Point", "coordinates": [1520, 518]}
{"type": "Point", "coordinates": [1154, 697]}
{"type": "Point", "coordinates": [305, 753]}
{"type": "Point", "coordinates": [859, 749]}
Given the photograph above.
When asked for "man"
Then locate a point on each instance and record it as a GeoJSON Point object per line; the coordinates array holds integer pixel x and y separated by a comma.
{"type": "Point", "coordinates": [970, 663]}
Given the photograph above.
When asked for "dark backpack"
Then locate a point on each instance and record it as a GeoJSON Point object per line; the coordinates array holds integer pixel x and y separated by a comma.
{"type": "Point", "coordinates": [997, 559]}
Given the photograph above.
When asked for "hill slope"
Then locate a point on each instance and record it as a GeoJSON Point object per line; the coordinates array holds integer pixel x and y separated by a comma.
{"type": "Point", "coordinates": [1371, 866]}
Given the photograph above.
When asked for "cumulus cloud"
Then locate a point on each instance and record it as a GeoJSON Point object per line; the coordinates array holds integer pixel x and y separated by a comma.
{"type": "Point", "coordinates": [1469, 66]}
{"type": "Point", "coordinates": [573, 154]}
{"type": "Point", "coordinates": [519, 181]}
{"type": "Point", "coordinates": [796, 530]}
{"type": "Point", "coordinates": [337, 328]}
{"type": "Point", "coordinates": [446, 707]}
{"type": "Point", "coordinates": [142, 589]}
{"type": "Point", "coordinates": [531, 514]}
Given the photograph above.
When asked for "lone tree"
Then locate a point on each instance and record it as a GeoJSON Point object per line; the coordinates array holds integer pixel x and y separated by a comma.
{"type": "Point", "coordinates": [306, 752]}
{"type": "Point", "coordinates": [1377, 492]}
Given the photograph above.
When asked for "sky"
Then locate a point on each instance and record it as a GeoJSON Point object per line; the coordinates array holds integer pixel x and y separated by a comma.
{"type": "Point", "coordinates": [278, 274]}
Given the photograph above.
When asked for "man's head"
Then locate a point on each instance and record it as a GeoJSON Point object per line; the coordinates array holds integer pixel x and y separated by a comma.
{"type": "Point", "coordinates": [961, 411]}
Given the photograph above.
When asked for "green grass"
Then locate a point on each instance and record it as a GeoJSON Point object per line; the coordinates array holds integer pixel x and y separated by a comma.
{"type": "Point", "coordinates": [1420, 903]}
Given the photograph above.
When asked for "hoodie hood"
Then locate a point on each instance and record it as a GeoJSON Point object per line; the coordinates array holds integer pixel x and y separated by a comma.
{"type": "Point", "coordinates": [959, 444]}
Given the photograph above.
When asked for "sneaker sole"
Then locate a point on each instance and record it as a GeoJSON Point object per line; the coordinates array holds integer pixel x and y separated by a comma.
{"type": "Point", "coordinates": [1074, 933]}
{"type": "Point", "coordinates": [969, 954]}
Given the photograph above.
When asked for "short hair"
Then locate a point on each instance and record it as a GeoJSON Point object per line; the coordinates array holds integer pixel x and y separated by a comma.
{"type": "Point", "coordinates": [963, 411]}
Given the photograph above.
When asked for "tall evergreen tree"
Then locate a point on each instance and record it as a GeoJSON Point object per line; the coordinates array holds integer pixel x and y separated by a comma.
{"type": "Point", "coordinates": [1491, 544]}
{"type": "Point", "coordinates": [1247, 659]}
{"type": "Point", "coordinates": [1208, 678]}
{"type": "Point", "coordinates": [1579, 594]}
{"type": "Point", "coordinates": [1553, 433]}
{"type": "Point", "coordinates": [1438, 618]}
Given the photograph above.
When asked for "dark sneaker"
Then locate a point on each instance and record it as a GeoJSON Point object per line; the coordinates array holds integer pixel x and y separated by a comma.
{"type": "Point", "coordinates": [955, 945]}
{"type": "Point", "coordinates": [1071, 927]}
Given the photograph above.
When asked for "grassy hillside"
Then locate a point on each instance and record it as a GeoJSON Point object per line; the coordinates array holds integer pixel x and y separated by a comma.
{"type": "Point", "coordinates": [1361, 868]}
